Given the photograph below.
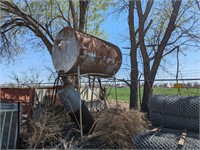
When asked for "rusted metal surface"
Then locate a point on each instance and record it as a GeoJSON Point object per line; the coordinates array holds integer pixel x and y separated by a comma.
{"type": "Point", "coordinates": [94, 56]}
{"type": "Point", "coordinates": [22, 95]}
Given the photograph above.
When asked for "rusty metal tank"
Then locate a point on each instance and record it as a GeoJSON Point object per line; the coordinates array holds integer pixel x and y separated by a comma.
{"type": "Point", "coordinates": [95, 56]}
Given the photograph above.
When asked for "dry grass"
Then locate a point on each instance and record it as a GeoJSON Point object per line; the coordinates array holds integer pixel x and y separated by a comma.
{"type": "Point", "coordinates": [47, 129]}
{"type": "Point", "coordinates": [119, 126]}
{"type": "Point", "coordinates": [115, 129]}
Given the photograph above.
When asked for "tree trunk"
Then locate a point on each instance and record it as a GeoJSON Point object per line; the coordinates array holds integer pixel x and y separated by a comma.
{"type": "Point", "coordinates": [147, 86]}
{"type": "Point", "coordinates": [141, 31]}
{"type": "Point", "coordinates": [146, 93]}
{"type": "Point", "coordinates": [150, 74]}
{"type": "Point", "coordinates": [134, 90]}
{"type": "Point", "coordinates": [83, 5]}
{"type": "Point", "coordinates": [134, 77]}
{"type": "Point", "coordinates": [74, 15]}
{"type": "Point", "coordinates": [133, 56]}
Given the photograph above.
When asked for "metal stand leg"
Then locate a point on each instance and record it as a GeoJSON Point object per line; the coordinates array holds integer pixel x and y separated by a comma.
{"type": "Point", "coordinates": [81, 119]}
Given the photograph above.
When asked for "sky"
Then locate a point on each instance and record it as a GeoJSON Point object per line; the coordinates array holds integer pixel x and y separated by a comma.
{"type": "Point", "coordinates": [114, 27]}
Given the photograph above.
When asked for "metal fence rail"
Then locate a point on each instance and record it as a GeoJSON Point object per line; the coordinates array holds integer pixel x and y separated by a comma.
{"type": "Point", "coordinates": [9, 125]}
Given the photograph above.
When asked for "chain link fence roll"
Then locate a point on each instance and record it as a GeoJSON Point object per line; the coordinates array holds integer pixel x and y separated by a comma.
{"type": "Point", "coordinates": [177, 112]}
{"type": "Point", "coordinates": [173, 121]}
{"type": "Point", "coordinates": [175, 105]}
{"type": "Point", "coordinates": [166, 138]}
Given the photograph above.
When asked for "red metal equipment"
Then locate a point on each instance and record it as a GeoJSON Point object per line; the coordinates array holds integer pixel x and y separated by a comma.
{"type": "Point", "coordinates": [22, 95]}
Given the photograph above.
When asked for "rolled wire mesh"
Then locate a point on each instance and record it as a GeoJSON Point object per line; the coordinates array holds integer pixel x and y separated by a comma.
{"type": "Point", "coordinates": [176, 122]}
{"type": "Point", "coordinates": [176, 105]}
{"type": "Point", "coordinates": [175, 111]}
{"type": "Point", "coordinates": [166, 138]}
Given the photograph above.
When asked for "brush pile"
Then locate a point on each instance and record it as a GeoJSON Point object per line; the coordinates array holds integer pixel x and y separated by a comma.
{"type": "Point", "coordinates": [47, 128]}
{"type": "Point", "coordinates": [119, 126]}
{"type": "Point", "coordinates": [115, 129]}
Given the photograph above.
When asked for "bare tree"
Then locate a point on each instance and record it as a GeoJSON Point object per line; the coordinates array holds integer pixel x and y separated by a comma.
{"type": "Point", "coordinates": [156, 32]}
{"type": "Point", "coordinates": [31, 78]}
{"type": "Point", "coordinates": [39, 21]}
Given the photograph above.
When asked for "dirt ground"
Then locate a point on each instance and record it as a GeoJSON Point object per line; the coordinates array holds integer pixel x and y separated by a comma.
{"type": "Point", "coordinates": [120, 104]}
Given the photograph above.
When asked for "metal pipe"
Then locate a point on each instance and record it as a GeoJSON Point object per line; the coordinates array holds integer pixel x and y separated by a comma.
{"type": "Point", "coordinates": [1, 136]}
{"type": "Point", "coordinates": [16, 134]}
{"type": "Point", "coordinates": [92, 92]}
{"type": "Point", "coordinates": [81, 119]}
{"type": "Point", "coordinates": [19, 119]}
{"type": "Point", "coordinates": [121, 80]}
{"type": "Point", "coordinates": [11, 117]}
{"type": "Point", "coordinates": [72, 102]}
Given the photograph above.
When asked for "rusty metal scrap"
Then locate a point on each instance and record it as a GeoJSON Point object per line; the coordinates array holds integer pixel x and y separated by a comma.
{"type": "Point", "coordinates": [22, 95]}
{"type": "Point", "coordinates": [95, 56]}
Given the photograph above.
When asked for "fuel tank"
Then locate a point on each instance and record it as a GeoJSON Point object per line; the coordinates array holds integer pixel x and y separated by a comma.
{"type": "Point", "coordinates": [95, 56]}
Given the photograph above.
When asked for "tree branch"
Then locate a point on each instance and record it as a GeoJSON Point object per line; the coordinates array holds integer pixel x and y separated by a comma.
{"type": "Point", "coordinates": [167, 35]}
{"type": "Point", "coordinates": [142, 20]}
{"type": "Point", "coordinates": [62, 15]}
{"type": "Point", "coordinates": [28, 7]}
{"type": "Point", "coordinates": [26, 21]}
{"type": "Point", "coordinates": [147, 10]}
{"type": "Point", "coordinates": [74, 15]}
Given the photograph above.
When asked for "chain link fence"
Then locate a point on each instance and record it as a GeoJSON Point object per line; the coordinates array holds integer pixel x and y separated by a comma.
{"type": "Point", "coordinates": [178, 112]}
{"type": "Point", "coordinates": [166, 138]}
